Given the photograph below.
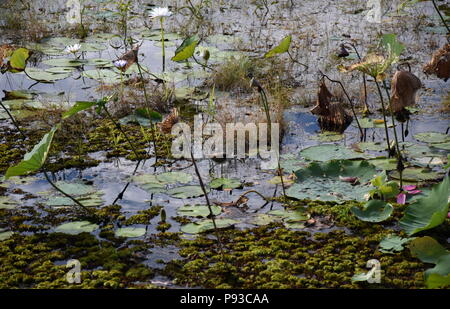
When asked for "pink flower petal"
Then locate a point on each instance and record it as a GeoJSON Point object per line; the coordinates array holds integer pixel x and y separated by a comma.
{"type": "Point", "coordinates": [401, 198]}
{"type": "Point", "coordinates": [413, 192]}
{"type": "Point", "coordinates": [448, 215]}
{"type": "Point", "coordinates": [409, 187]}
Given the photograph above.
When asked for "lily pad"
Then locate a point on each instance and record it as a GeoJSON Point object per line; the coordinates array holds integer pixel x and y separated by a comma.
{"type": "Point", "coordinates": [7, 203]}
{"type": "Point", "coordinates": [44, 76]}
{"type": "Point", "coordinates": [150, 183]}
{"type": "Point", "coordinates": [263, 219]}
{"type": "Point", "coordinates": [371, 146]}
{"type": "Point", "coordinates": [6, 235]}
{"type": "Point", "coordinates": [414, 174]}
{"type": "Point", "coordinates": [432, 137]}
{"type": "Point", "coordinates": [186, 192]}
{"type": "Point", "coordinates": [367, 123]}
{"type": "Point", "coordinates": [174, 177]}
{"type": "Point", "coordinates": [76, 227]}
{"type": "Point", "coordinates": [130, 232]}
{"type": "Point", "coordinates": [64, 62]}
{"type": "Point", "coordinates": [225, 183]}
{"type": "Point", "coordinates": [392, 244]}
{"type": "Point", "coordinates": [103, 75]}
{"type": "Point", "coordinates": [374, 211]}
{"type": "Point", "coordinates": [198, 211]}
{"type": "Point", "coordinates": [429, 211]}
{"type": "Point", "coordinates": [384, 163]}
{"type": "Point", "coordinates": [445, 146]}
{"type": "Point", "coordinates": [329, 137]}
{"type": "Point", "coordinates": [207, 225]}
{"type": "Point", "coordinates": [329, 152]}
{"type": "Point", "coordinates": [428, 250]}
{"type": "Point", "coordinates": [320, 181]}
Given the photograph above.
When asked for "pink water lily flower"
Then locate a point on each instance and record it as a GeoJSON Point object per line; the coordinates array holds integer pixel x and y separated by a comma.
{"type": "Point", "coordinates": [409, 189]}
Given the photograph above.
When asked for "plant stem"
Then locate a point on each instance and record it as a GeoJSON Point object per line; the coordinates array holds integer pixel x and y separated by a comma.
{"type": "Point", "coordinates": [384, 118]}
{"type": "Point", "coordinates": [64, 193]}
{"type": "Point", "coordinates": [147, 102]}
{"type": "Point", "coordinates": [211, 213]}
{"type": "Point", "coordinates": [364, 79]}
{"type": "Point", "coordinates": [13, 120]}
{"type": "Point", "coordinates": [119, 127]}
{"type": "Point", "coordinates": [399, 154]}
{"type": "Point", "coordinates": [162, 42]}
{"type": "Point", "coordinates": [293, 60]}
{"type": "Point", "coordinates": [440, 15]}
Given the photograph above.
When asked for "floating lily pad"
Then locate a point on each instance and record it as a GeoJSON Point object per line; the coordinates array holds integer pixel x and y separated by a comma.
{"type": "Point", "coordinates": [432, 137]}
{"type": "Point", "coordinates": [150, 183]}
{"type": "Point", "coordinates": [329, 137]}
{"type": "Point", "coordinates": [329, 152]}
{"type": "Point", "coordinates": [263, 219]}
{"type": "Point", "coordinates": [367, 123]}
{"type": "Point", "coordinates": [373, 211]}
{"type": "Point", "coordinates": [174, 177]}
{"type": "Point", "coordinates": [103, 75]}
{"type": "Point", "coordinates": [6, 235]}
{"type": "Point", "coordinates": [7, 203]}
{"type": "Point", "coordinates": [384, 163]}
{"type": "Point", "coordinates": [225, 183]}
{"type": "Point", "coordinates": [60, 70]}
{"type": "Point", "coordinates": [186, 192]}
{"type": "Point", "coordinates": [290, 216]}
{"type": "Point", "coordinates": [371, 146]}
{"type": "Point", "coordinates": [77, 227]}
{"type": "Point", "coordinates": [43, 76]}
{"type": "Point", "coordinates": [392, 244]}
{"type": "Point", "coordinates": [321, 181]}
{"type": "Point", "coordinates": [64, 62]}
{"type": "Point", "coordinates": [207, 225]}
{"type": "Point", "coordinates": [86, 195]}
{"type": "Point", "coordinates": [445, 146]}
{"type": "Point", "coordinates": [130, 232]}
{"type": "Point", "coordinates": [415, 174]}
{"type": "Point", "coordinates": [198, 211]}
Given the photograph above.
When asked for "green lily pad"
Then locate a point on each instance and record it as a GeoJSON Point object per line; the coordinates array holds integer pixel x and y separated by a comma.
{"type": "Point", "coordinates": [371, 146]}
{"type": "Point", "coordinates": [445, 146]}
{"type": "Point", "coordinates": [328, 152]}
{"type": "Point", "coordinates": [64, 62]}
{"type": "Point", "coordinates": [186, 192]}
{"type": "Point", "coordinates": [76, 227]}
{"type": "Point", "coordinates": [374, 211]}
{"type": "Point", "coordinates": [414, 174]}
{"type": "Point", "coordinates": [60, 70]}
{"type": "Point", "coordinates": [43, 76]}
{"type": "Point", "coordinates": [6, 235]}
{"type": "Point", "coordinates": [174, 177]}
{"type": "Point", "coordinates": [263, 219]}
{"type": "Point", "coordinates": [225, 183]}
{"type": "Point", "coordinates": [207, 225]}
{"type": "Point", "coordinates": [290, 216]}
{"type": "Point", "coordinates": [367, 123]}
{"type": "Point", "coordinates": [150, 183]}
{"type": "Point", "coordinates": [432, 137]}
{"type": "Point", "coordinates": [7, 203]}
{"type": "Point", "coordinates": [103, 75]}
{"type": "Point", "coordinates": [392, 244]}
{"type": "Point", "coordinates": [130, 232]}
{"type": "Point", "coordinates": [384, 163]}
{"type": "Point", "coordinates": [198, 211]}
{"type": "Point", "coordinates": [429, 211]}
{"type": "Point", "coordinates": [321, 181]}
{"type": "Point", "coordinates": [329, 137]}
{"type": "Point", "coordinates": [428, 250]}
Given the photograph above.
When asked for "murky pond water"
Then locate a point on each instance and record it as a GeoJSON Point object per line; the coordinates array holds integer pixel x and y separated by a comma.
{"type": "Point", "coordinates": [227, 28]}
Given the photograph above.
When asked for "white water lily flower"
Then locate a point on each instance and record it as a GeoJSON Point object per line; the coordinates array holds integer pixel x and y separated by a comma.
{"type": "Point", "coordinates": [73, 48]}
{"type": "Point", "coordinates": [160, 12]}
{"type": "Point", "coordinates": [120, 63]}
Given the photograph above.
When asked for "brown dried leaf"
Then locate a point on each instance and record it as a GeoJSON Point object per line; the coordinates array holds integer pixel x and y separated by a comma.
{"type": "Point", "coordinates": [130, 57]}
{"type": "Point", "coordinates": [440, 63]}
{"type": "Point", "coordinates": [167, 124]}
{"type": "Point", "coordinates": [404, 88]}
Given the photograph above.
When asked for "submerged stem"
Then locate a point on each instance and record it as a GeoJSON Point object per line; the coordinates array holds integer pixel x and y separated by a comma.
{"type": "Point", "coordinates": [384, 118]}
{"type": "Point", "coordinates": [13, 120]}
{"type": "Point", "coordinates": [163, 48]}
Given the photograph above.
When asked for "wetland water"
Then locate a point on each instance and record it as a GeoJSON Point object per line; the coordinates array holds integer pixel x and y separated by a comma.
{"type": "Point", "coordinates": [92, 160]}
